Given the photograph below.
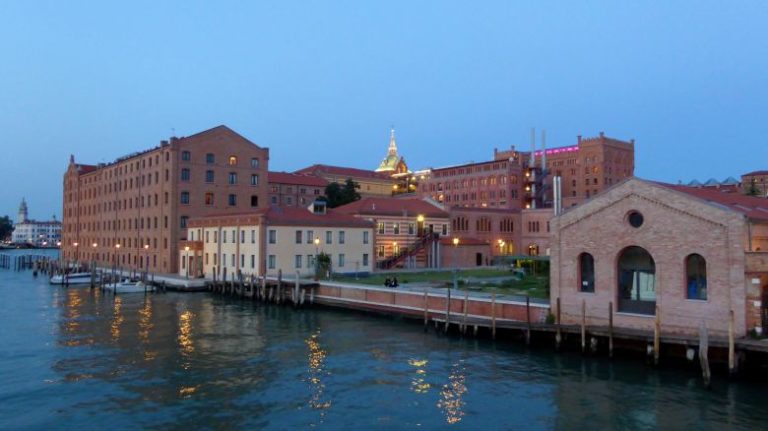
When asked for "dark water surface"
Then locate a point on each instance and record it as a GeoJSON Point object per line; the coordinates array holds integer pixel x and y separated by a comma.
{"type": "Point", "coordinates": [80, 359]}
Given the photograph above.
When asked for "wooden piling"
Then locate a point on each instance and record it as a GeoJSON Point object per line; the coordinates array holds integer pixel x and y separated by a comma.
{"type": "Point", "coordinates": [447, 310]}
{"type": "Point", "coordinates": [610, 329]}
{"type": "Point", "coordinates": [466, 310]}
{"type": "Point", "coordinates": [731, 345]}
{"type": "Point", "coordinates": [426, 310]}
{"type": "Point", "coordinates": [657, 336]}
{"type": "Point", "coordinates": [528, 320]}
{"type": "Point", "coordinates": [704, 354]}
{"type": "Point", "coordinates": [583, 326]}
{"type": "Point", "coordinates": [558, 334]}
{"type": "Point", "coordinates": [493, 315]}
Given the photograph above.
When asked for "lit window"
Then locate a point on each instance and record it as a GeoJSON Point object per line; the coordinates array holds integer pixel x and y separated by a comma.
{"type": "Point", "coordinates": [232, 161]}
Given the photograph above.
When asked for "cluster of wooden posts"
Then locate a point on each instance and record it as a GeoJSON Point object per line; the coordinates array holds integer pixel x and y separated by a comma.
{"type": "Point", "coordinates": [20, 262]}
{"type": "Point", "coordinates": [261, 288]}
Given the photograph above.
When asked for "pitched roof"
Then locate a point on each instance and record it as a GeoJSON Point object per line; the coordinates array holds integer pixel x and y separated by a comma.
{"type": "Point", "coordinates": [384, 206]}
{"type": "Point", "coordinates": [755, 208]}
{"type": "Point", "coordinates": [293, 216]}
{"type": "Point", "coordinates": [755, 173]}
{"type": "Point", "coordinates": [341, 171]}
{"type": "Point", "coordinates": [296, 179]}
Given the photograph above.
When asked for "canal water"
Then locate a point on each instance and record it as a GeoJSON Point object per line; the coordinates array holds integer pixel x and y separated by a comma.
{"type": "Point", "coordinates": [81, 359]}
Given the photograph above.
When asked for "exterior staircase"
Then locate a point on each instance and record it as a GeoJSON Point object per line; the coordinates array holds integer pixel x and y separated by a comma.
{"type": "Point", "coordinates": [415, 249]}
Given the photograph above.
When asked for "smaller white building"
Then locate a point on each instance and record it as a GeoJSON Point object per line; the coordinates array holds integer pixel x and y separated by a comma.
{"type": "Point", "coordinates": [274, 240]}
{"type": "Point", "coordinates": [37, 233]}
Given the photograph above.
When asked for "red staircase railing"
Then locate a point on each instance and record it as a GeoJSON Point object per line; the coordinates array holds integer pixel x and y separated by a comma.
{"type": "Point", "coordinates": [411, 250]}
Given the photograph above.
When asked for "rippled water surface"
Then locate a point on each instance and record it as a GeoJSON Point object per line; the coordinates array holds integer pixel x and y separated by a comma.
{"type": "Point", "coordinates": [80, 359]}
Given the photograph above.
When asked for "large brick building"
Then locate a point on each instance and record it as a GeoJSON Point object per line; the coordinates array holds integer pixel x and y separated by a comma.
{"type": "Point", "coordinates": [371, 183]}
{"type": "Point", "coordinates": [517, 180]}
{"type": "Point", "coordinates": [755, 183]}
{"type": "Point", "coordinates": [133, 212]}
{"type": "Point", "coordinates": [289, 189]}
{"type": "Point", "coordinates": [688, 255]}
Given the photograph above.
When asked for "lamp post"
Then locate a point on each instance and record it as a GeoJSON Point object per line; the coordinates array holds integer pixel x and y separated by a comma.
{"type": "Point", "coordinates": [186, 252]}
{"type": "Point", "coordinates": [93, 265]}
{"type": "Point", "coordinates": [114, 267]}
{"type": "Point", "coordinates": [76, 254]}
{"type": "Point", "coordinates": [145, 263]}
{"type": "Point", "coordinates": [455, 263]}
{"type": "Point", "coordinates": [317, 244]}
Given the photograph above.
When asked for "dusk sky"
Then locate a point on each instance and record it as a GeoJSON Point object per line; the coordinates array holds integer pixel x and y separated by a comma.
{"type": "Point", "coordinates": [322, 82]}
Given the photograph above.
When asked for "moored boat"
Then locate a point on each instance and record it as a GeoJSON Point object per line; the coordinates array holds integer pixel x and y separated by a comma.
{"type": "Point", "coordinates": [129, 286]}
{"type": "Point", "coordinates": [74, 278]}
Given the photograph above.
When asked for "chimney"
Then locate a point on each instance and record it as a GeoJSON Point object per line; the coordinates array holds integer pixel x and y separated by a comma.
{"type": "Point", "coordinates": [543, 151]}
{"type": "Point", "coordinates": [578, 139]}
{"type": "Point", "coordinates": [532, 162]}
{"type": "Point", "coordinates": [602, 135]}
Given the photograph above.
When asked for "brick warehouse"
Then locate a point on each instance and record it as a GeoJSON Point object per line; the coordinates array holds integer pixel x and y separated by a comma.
{"type": "Point", "coordinates": [689, 255]}
{"type": "Point", "coordinates": [132, 212]}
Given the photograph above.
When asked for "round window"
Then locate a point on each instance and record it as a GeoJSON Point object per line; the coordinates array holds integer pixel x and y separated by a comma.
{"type": "Point", "coordinates": [635, 219]}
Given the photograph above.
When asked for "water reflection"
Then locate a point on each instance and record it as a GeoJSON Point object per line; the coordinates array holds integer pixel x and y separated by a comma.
{"type": "Point", "coordinates": [452, 396]}
{"type": "Point", "coordinates": [316, 371]}
{"type": "Point", "coordinates": [418, 382]}
{"type": "Point", "coordinates": [117, 318]}
{"type": "Point", "coordinates": [186, 346]}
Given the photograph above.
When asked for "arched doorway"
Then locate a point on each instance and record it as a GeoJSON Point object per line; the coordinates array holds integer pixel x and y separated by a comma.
{"type": "Point", "coordinates": [533, 250]}
{"type": "Point", "coordinates": [636, 271]}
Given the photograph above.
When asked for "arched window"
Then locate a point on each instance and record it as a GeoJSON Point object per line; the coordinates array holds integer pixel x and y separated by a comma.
{"type": "Point", "coordinates": [637, 281]}
{"type": "Point", "coordinates": [696, 277]}
{"type": "Point", "coordinates": [232, 161]}
{"type": "Point", "coordinates": [533, 250]}
{"type": "Point", "coordinates": [586, 272]}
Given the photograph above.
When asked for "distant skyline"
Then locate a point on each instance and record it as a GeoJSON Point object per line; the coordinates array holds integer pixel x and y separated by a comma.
{"type": "Point", "coordinates": [322, 82]}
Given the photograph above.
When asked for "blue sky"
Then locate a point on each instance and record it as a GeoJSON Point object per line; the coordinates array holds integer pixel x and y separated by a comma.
{"type": "Point", "coordinates": [323, 81]}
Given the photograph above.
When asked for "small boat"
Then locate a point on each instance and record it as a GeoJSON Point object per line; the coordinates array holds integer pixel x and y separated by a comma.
{"type": "Point", "coordinates": [129, 286]}
{"type": "Point", "coordinates": [75, 278]}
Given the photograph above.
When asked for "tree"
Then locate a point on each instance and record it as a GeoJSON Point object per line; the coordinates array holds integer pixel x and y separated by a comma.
{"type": "Point", "coordinates": [322, 266]}
{"type": "Point", "coordinates": [753, 190]}
{"type": "Point", "coordinates": [337, 195]}
{"type": "Point", "coordinates": [6, 227]}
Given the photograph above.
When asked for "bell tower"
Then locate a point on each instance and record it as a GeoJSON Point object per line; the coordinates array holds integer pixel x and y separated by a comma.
{"type": "Point", "coordinates": [22, 212]}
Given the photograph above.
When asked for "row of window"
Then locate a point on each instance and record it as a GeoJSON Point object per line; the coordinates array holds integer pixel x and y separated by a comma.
{"type": "Point", "coordinates": [637, 274]}
{"type": "Point", "coordinates": [210, 159]}
{"type": "Point", "coordinates": [209, 199]}
{"type": "Point", "coordinates": [210, 177]}
{"type": "Point", "coordinates": [298, 261]}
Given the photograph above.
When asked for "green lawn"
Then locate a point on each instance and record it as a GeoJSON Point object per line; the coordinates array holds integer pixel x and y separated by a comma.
{"type": "Point", "coordinates": [473, 279]}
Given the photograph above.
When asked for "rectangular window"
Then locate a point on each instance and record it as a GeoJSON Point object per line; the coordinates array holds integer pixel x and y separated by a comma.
{"type": "Point", "coordinates": [232, 200]}
{"type": "Point", "coordinates": [342, 237]}
{"type": "Point", "coordinates": [209, 199]}
{"type": "Point", "coordinates": [396, 228]}
{"type": "Point", "coordinates": [310, 261]}
{"type": "Point", "coordinates": [254, 201]}
{"type": "Point", "coordinates": [233, 178]}
{"type": "Point", "coordinates": [272, 236]}
{"type": "Point", "coordinates": [224, 237]}
{"type": "Point", "coordinates": [253, 236]}
{"type": "Point", "coordinates": [254, 180]}
{"type": "Point", "coordinates": [183, 222]}
{"type": "Point", "coordinates": [297, 261]}
{"type": "Point", "coordinates": [271, 261]}
{"type": "Point", "coordinates": [381, 227]}
{"type": "Point", "coordinates": [186, 156]}
{"type": "Point", "coordinates": [253, 261]}
{"type": "Point", "coordinates": [209, 176]}
{"type": "Point", "coordinates": [185, 174]}
{"type": "Point", "coordinates": [210, 158]}
{"type": "Point", "coordinates": [185, 198]}
{"type": "Point", "coordinates": [365, 237]}
{"type": "Point", "coordinates": [223, 260]}
{"type": "Point", "coordinates": [215, 237]}
{"type": "Point", "coordinates": [381, 251]}
{"type": "Point", "coordinates": [365, 259]}
{"type": "Point", "coordinates": [207, 236]}
{"type": "Point", "coordinates": [411, 229]}
{"type": "Point", "coordinates": [298, 236]}
{"type": "Point", "coordinates": [310, 236]}
{"type": "Point", "coordinates": [341, 260]}
{"type": "Point", "coordinates": [328, 237]}
{"type": "Point", "coordinates": [254, 162]}
{"type": "Point", "coordinates": [444, 230]}
{"type": "Point", "coordinates": [242, 237]}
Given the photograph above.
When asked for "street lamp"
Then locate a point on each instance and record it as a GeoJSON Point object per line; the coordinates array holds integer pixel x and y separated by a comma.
{"type": "Point", "coordinates": [76, 254]}
{"type": "Point", "coordinates": [186, 252]}
{"type": "Point", "coordinates": [317, 244]}
{"type": "Point", "coordinates": [114, 267]}
{"type": "Point", "coordinates": [145, 263]}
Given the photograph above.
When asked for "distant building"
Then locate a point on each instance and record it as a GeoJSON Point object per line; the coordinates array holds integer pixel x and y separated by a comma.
{"type": "Point", "coordinates": [290, 189]}
{"type": "Point", "coordinates": [756, 182]}
{"type": "Point", "coordinates": [37, 233]}
{"type": "Point", "coordinates": [283, 240]}
{"type": "Point", "coordinates": [134, 211]}
{"type": "Point", "coordinates": [520, 180]}
{"type": "Point", "coordinates": [687, 255]}
{"type": "Point", "coordinates": [371, 183]}
{"type": "Point", "coordinates": [393, 163]}
{"type": "Point", "coordinates": [407, 230]}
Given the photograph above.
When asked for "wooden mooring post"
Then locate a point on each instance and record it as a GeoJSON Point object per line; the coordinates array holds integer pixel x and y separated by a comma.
{"type": "Point", "coordinates": [704, 354]}
{"type": "Point", "coordinates": [583, 326]}
{"type": "Point", "coordinates": [466, 310]}
{"type": "Point", "coordinates": [731, 345]}
{"type": "Point", "coordinates": [426, 310]}
{"type": "Point", "coordinates": [493, 315]}
{"type": "Point", "coordinates": [527, 320]}
{"type": "Point", "coordinates": [610, 329]}
{"type": "Point", "coordinates": [447, 310]}
{"type": "Point", "coordinates": [558, 333]}
{"type": "Point", "coordinates": [657, 336]}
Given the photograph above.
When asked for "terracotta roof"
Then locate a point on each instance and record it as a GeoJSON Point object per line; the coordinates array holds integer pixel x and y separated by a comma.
{"type": "Point", "coordinates": [296, 179]}
{"type": "Point", "coordinates": [84, 169]}
{"type": "Point", "coordinates": [753, 173]}
{"type": "Point", "coordinates": [341, 171]}
{"type": "Point", "coordinates": [292, 216]}
{"type": "Point", "coordinates": [755, 208]}
{"type": "Point", "coordinates": [384, 206]}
